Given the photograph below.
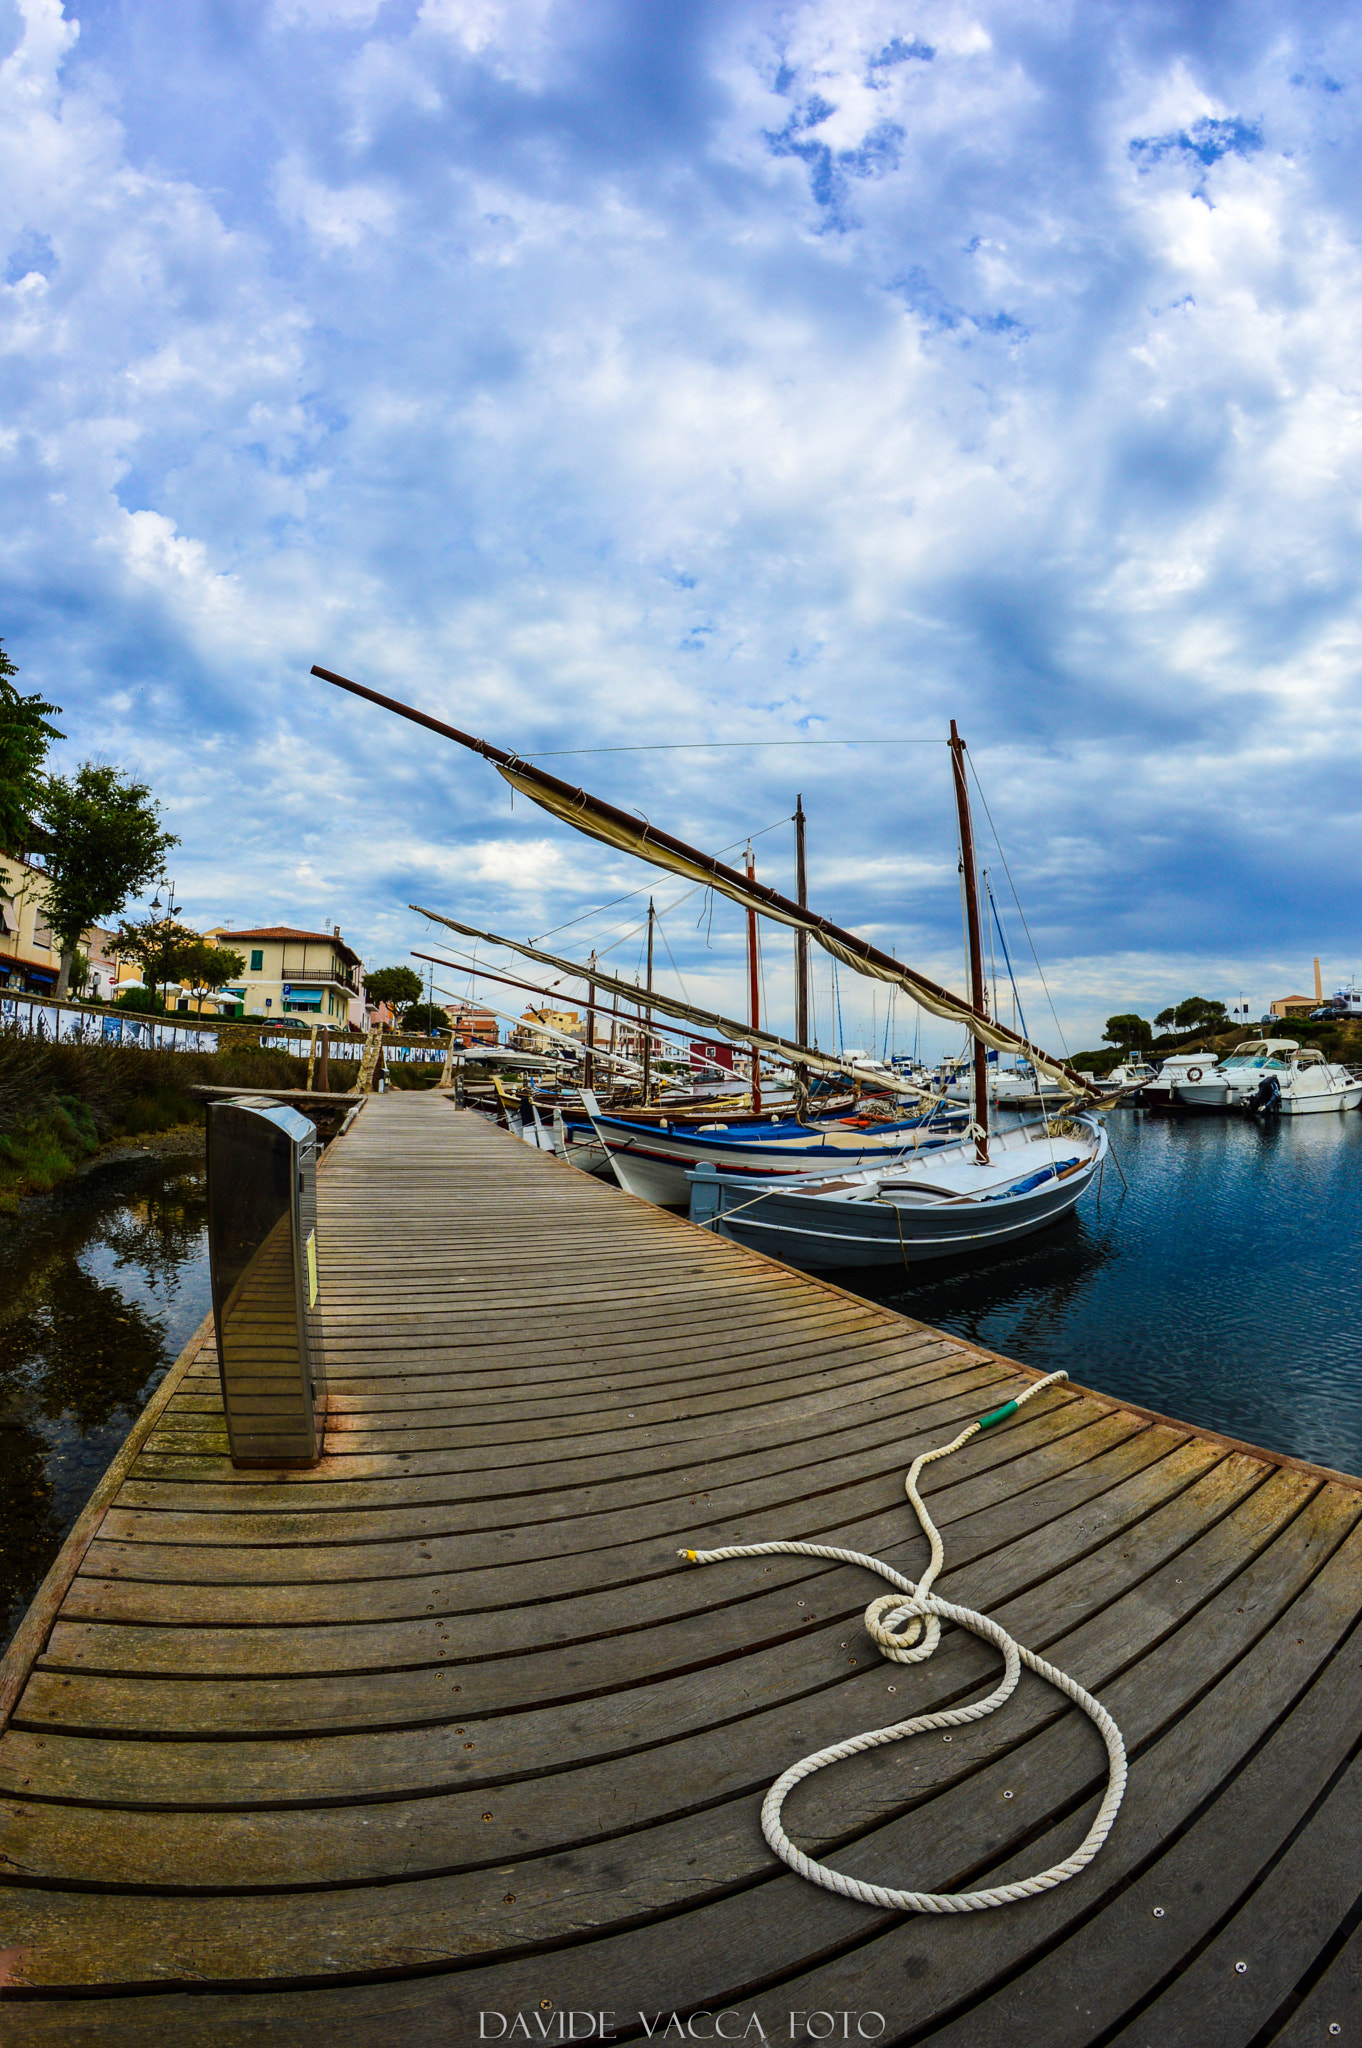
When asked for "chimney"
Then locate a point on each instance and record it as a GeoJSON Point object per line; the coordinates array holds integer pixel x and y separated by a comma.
{"type": "Point", "coordinates": [336, 930]}
{"type": "Point", "coordinates": [1319, 985]}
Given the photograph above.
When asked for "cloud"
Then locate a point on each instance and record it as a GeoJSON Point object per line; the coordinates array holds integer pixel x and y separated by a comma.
{"type": "Point", "coordinates": [606, 377]}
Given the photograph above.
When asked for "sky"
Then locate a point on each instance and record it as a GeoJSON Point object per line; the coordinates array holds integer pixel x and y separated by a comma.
{"type": "Point", "coordinates": [606, 376]}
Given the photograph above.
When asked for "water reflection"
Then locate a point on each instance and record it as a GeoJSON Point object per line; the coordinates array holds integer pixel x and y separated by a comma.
{"type": "Point", "coordinates": [103, 1284]}
{"type": "Point", "coordinates": [1223, 1286]}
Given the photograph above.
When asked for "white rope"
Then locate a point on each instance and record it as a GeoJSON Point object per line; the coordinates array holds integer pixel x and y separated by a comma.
{"type": "Point", "coordinates": [896, 1623]}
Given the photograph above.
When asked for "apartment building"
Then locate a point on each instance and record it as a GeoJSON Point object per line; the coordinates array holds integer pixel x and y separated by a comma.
{"type": "Point", "coordinates": [292, 973]}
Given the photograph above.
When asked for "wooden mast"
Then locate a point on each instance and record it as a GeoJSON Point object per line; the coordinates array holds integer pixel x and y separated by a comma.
{"type": "Point", "coordinates": [978, 993]}
{"type": "Point", "coordinates": [589, 1066]}
{"type": "Point", "coordinates": [648, 1015]}
{"type": "Point", "coordinates": [753, 988]}
{"type": "Point", "coordinates": [801, 1072]}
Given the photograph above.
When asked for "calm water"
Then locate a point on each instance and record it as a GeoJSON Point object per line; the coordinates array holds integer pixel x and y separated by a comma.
{"type": "Point", "coordinates": [1224, 1287]}
{"type": "Point", "coordinates": [102, 1284]}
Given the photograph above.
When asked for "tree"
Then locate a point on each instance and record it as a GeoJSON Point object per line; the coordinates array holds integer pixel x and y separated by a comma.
{"type": "Point", "coordinates": [1129, 1030]}
{"type": "Point", "coordinates": [155, 944]}
{"type": "Point", "coordinates": [24, 736]}
{"type": "Point", "coordinates": [204, 967]}
{"type": "Point", "coordinates": [427, 1017]}
{"type": "Point", "coordinates": [395, 985]}
{"type": "Point", "coordinates": [1165, 1019]}
{"type": "Point", "coordinates": [102, 843]}
{"type": "Point", "coordinates": [1197, 1014]}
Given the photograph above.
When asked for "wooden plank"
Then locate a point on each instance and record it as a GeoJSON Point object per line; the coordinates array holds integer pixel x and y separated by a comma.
{"type": "Point", "coordinates": [272, 1715]}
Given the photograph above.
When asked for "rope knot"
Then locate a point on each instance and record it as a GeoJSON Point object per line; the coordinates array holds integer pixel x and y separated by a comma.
{"type": "Point", "coordinates": [897, 1622]}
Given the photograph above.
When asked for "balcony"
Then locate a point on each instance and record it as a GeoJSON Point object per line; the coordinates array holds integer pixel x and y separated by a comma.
{"type": "Point", "coordinates": [324, 974]}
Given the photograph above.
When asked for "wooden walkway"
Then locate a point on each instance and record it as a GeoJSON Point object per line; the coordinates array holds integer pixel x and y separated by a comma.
{"type": "Point", "coordinates": [444, 1728]}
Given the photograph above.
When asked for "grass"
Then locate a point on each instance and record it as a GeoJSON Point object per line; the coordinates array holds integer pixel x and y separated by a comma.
{"type": "Point", "coordinates": [59, 1103]}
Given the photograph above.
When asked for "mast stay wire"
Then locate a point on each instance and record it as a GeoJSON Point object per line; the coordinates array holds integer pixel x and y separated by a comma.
{"type": "Point", "coordinates": [644, 886]}
{"type": "Point", "coordinates": [1017, 900]}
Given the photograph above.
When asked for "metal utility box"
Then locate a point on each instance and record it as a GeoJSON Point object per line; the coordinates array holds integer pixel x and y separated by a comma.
{"type": "Point", "coordinates": [262, 1252]}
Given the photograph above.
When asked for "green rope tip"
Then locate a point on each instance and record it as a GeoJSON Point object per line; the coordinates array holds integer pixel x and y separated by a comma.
{"type": "Point", "coordinates": [998, 1415]}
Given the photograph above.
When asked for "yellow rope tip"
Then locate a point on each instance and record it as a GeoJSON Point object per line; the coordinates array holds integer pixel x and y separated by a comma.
{"type": "Point", "coordinates": [691, 1556]}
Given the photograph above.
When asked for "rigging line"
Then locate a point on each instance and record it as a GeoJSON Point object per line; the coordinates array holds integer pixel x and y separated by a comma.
{"type": "Point", "coordinates": [707, 746]}
{"type": "Point", "coordinates": [645, 886]}
{"type": "Point", "coordinates": [671, 956]}
{"type": "Point", "coordinates": [1017, 900]}
{"type": "Point", "coordinates": [1002, 935]}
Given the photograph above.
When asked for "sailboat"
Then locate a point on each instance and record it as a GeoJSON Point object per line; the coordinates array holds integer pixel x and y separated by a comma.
{"type": "Point", "coordinates": [977, 1195]}
{"type": "Point", "coordinates": [1066, 1152]}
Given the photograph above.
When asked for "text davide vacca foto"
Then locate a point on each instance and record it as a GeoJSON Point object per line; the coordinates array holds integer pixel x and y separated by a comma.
{"type": "Point", "coordinates": [723, 2024]}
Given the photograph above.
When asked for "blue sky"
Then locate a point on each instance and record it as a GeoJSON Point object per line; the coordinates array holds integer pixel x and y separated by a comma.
{"type": "Point", "coordinates": [599, 375]}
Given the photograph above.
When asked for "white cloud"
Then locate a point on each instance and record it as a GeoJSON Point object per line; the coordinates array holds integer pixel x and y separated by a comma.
{"type": "Point", "coordinates": [739, 374]}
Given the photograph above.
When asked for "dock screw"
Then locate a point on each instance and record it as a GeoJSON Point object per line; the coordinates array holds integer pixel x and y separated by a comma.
{"type": "Point", "coordinates": [509, 1899]}
{"type": "Point", "coordinates": [945, 1738]}
{"type": "Point", "coordinates": [546, 2005]}
{"type": "Point", "coordinates": [1009, 1795]}
{"type": "Point", "coordinates": [1334, 2027]}
{"type": "Point", "coordinates": [1242, 1969]}
{"type": "Point", "coordinates": [468, 1745]}
{"type": "Point", "coordinates": [891, 1688]}
{"type": "Point", "coordinates": [487, 1816]}
{"type": "Point", "coordinates": [1158, 1912]}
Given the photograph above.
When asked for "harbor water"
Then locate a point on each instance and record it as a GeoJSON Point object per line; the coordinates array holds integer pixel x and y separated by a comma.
{"type": "Point", "coordinates": [1221, 1286]}
{"type": "Point", "coordinates": [104, 1282]}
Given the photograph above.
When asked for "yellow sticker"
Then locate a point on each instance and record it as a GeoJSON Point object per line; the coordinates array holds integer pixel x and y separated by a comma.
{"type": "Point", "coordinates": [312, 1269]}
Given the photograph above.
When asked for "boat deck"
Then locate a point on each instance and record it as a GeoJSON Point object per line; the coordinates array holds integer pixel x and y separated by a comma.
{"type": "Point", "coordinates": [440, 1741]}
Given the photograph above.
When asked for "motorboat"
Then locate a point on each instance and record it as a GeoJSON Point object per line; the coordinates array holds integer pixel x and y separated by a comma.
{"type": "Point", "coordinates": [653, 1159]}
{"type": "Point", "coordinates": [1275, 1076]}
{"type": "Point", "coordinates": [1127, 1081]}
{"type": "Point", "coordinates": [1180, 1067]}
{"type": "Point", "coordinates": [945, 1205]}
{"type": "Point", "coordinates": [1311, 1085]}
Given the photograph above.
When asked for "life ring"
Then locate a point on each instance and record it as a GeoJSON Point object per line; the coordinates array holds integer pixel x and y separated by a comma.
{"type": "Point", "coordinates": [1193, 1073]}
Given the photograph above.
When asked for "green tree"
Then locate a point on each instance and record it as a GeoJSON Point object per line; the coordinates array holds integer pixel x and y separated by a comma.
{"type": "Point", "coordinates": [1129, 1030]}
{"type": "Point", "coordinates": [102, 843]}
{"type": "Point", "coordinates": [155, 944]}
{"type": "Point", "coordinates": [24, 737]}
{"type": "Point", "coordinates": [395, 985]}
{"type": "Point", "coordinates": [1197, 1014]}
{"type": "Point", "coordinates": [427, 1017]}
{"type": "Point", "coordinates": [204, 967]}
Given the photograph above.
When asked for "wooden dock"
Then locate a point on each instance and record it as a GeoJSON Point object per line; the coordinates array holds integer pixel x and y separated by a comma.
{"type": "Point", "coordinates": [441, 1742]}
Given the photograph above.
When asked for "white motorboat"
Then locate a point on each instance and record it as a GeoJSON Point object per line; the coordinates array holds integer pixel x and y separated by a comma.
{"type": "Point", "coordinates": [1311, 1085]}
{"type": "Point", "coordinates": [1271, 1074]}
{"type": "Point", "coordinates": [944, 1205]}
{"type": "Point", "coordinates": [1179, 1069]}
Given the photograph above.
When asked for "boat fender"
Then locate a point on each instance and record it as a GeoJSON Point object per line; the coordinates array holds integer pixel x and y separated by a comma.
{"type": "Point", "coordinates": [1193, 1073]}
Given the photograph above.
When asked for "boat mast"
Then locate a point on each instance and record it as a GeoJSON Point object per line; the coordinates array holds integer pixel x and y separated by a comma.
{"type": "Point", "coordinates": [801, 1072]}
{"type": "Point", "coordinates": [978, 987]}
{"type": "Point", "coordinates": [648, 1015]}
{"type": "Point", "coordinates": [752, 986]}
{"type": "Point", "coordinates": [589, 1067]}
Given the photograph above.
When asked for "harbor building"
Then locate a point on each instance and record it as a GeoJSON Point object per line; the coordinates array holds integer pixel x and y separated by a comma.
{"type": "Point", "coordinates": [294, 973]}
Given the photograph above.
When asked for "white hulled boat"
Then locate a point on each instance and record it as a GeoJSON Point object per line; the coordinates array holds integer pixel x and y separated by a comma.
{"type": "Point", "coordinates": [1272, 1075]}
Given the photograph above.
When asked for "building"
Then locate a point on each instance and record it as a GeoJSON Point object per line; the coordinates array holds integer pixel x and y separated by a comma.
{"type": "Point", "coordinates": [30, 959]}
{"type": "Point", "coordinates": [1293, 1006]}
{"type": "Point", "coordinates": [472, 1026]}
{"type": "Point", "coordinates": [566, 1023]}
{"type": "Point", "coordinates": [291, 973]}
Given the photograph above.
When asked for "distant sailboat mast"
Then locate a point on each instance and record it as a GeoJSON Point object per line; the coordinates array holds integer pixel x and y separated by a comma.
{"type": "Point", "coordinates": [978, 987]}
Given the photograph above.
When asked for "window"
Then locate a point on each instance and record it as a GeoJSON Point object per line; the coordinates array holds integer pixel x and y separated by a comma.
{"type": "Point", "coordinates": [257, 959]}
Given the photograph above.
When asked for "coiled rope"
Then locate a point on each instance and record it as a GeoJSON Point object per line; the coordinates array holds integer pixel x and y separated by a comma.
{"type": "Point", "coordinates": [906, 1630]}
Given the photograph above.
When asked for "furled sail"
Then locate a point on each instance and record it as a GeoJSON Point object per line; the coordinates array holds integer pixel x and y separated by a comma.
{"type": "Point", "coordinates": [672, 1006]}
{"type": "Point", "coordinates": [604, 821]}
